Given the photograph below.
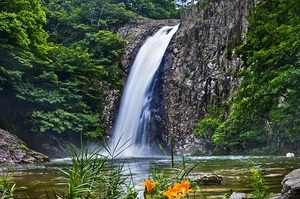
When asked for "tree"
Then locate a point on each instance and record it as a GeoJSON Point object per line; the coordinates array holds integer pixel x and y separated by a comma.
{"type": "Point", "coordinates": [155, 9]}
{"type": "Point", "coordinates": [62, 97]}
{"type": "Point", "coordinates": [22, 39]}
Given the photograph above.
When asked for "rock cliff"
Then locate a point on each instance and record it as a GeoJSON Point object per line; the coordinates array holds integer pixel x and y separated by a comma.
{"type": "Point", "coordinates": [199, 64]}
{"type": "Point", "coordinates": [203, 64]}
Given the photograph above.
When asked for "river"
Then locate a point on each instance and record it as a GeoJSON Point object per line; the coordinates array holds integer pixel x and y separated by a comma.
{"type": "Point", "coordinates": [34, 181]}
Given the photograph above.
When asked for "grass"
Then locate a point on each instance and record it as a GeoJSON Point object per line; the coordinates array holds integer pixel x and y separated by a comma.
{"type": "Point", "coordinates": [259, 185]}
{"type": "Point", "coordinates": [7, 186]}
{"type": "Point", "coordinates": [92, 175]}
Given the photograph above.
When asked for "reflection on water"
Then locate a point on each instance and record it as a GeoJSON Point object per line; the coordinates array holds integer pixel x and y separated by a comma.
{"type": "Point", "coordinates": [35, 180]}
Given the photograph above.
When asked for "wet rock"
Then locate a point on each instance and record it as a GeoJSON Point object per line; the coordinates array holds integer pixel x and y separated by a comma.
{"type": "Point", "coordinates": [14, 151]}
{"type": "Point", "coordinates": [290, 155]}
{"type": "Point", "coordinates": [236, 195]}
{"type": "Point", "coordinates": [191, 145]}
{"type": "Point", "coordinates": [291, 185]}
{"type": "Point", "coordinates": [207, 179]}
{"type": "Point", "coordinates": [275, 196]}
{"type": "Point", "coordinates": [136, 32]}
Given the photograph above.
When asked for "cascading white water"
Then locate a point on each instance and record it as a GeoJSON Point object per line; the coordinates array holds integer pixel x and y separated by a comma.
{"type": "Point", "coordinates": [129, 134]}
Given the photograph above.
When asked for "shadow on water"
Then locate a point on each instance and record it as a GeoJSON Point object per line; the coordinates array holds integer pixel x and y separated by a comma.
{"type": "Point", "coordinates": [34, 180]}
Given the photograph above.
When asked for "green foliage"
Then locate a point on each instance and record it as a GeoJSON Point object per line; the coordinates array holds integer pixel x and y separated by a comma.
{"type": "Point", "coordinates": [85, 26]}
{"type": "Point", "coordinates": [56, 87]}
{"type": "Point", "coordinates": [105, 46]}
{"type": "Point", "coordinates": [83, 175]}
{"type": "Point", "coordinates": [22, 24]}
{"type": "Point", "coordinates": [92, 175]}
{"type": "Point", "coordinates": [48, 87]}
{"type": "Point", "coordinates": [258, 184]}
{"type": "Point", "coordinates": [265, 109]}
{"type": "Point", "coordinates": [239, 133]}
{"type": "Point", "coordinates": [7, 186]}
{"type": "Point", "coordinates": [61, 121]}
{"type": "Point", "coordinates": [271, 72]}
{"type": "Point", "coordinates": [206, 127]}
{"type": "Point", "coordinates": [155, 9]}
{"type": "Point", "coordinates": [70, 21]}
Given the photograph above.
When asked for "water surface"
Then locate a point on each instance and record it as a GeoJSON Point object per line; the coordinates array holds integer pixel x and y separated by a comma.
{"type": "Point", "coordinates": [35, 180]}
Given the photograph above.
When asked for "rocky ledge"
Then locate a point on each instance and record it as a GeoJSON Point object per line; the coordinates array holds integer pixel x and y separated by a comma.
{"type": "Point", "coordinates": [291, 185]}
{"type": "Point", "coordinates": [14, 151]}
{"type": "Point", "coordinates": [207, 179]}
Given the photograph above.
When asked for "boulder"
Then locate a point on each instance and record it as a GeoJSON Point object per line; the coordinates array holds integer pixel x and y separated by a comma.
{"type": "Point", "coordinates": [14, 151]}
{"type": "Point", "coordinates": [291, 185]}
{"type": "Point", "coordinates": [207, 179]}
{"type": "Point", "coordinates": [236, 195]}
{"type": "Point", "coordinates": [290, 155]}
{"type": "Point", "coordinates": [275, 196]}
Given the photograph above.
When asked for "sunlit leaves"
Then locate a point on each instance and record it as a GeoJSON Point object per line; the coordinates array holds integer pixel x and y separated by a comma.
{"type": "Point", "coordinates": [12, 30]}
{"type": "Point", "coordinates": [23, 21]}
{"type": "Point", "coordinates": [155, 9]}
{"type": "Point", "coordinates": [105, 45]}
{"type": "Point", "coordinates": [206, 128]}
{"type": "Point", "coordinates": [62, 121]}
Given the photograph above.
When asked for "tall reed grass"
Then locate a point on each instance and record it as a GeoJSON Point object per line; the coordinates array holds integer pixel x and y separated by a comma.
{"type": "Point", "coordinates": [7, 186]}
{"type": "Point", "coordinates": [94, 176]}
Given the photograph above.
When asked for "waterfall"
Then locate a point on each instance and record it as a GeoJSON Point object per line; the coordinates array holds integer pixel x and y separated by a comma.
{"type": "Point", "coordinates": [130, 133]}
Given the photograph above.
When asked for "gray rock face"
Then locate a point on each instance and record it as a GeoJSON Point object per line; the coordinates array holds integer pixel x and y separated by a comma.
{"type": "Point", "coordinates": [14, 151]}
{"type": "Point", "coordinates": [291, 185]}
{"type": "Point", "coordinates": [203, 63]}
{"type": "Point", "coordinates": [136, 32]}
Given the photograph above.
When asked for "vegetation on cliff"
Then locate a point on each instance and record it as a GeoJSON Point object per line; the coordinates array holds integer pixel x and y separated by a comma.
{"type": "Point", "coordinates": [265, 108]}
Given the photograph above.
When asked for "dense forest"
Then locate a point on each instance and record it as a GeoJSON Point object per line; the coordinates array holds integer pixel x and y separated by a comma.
{"type": "Point", "coordinates": [55, 54]}
{"type": "Point", "coordinates": [265, 110]}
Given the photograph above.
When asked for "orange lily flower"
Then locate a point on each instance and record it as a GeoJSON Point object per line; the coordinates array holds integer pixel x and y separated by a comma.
{"type": "Point", "coordinates": [171, 193]}
{"type": "Point", "coordinates": [149, 185]}
{"type": "Point", "coordinates": [183, 187]}
{"type": "Point", "coordinates": [179, 190]}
